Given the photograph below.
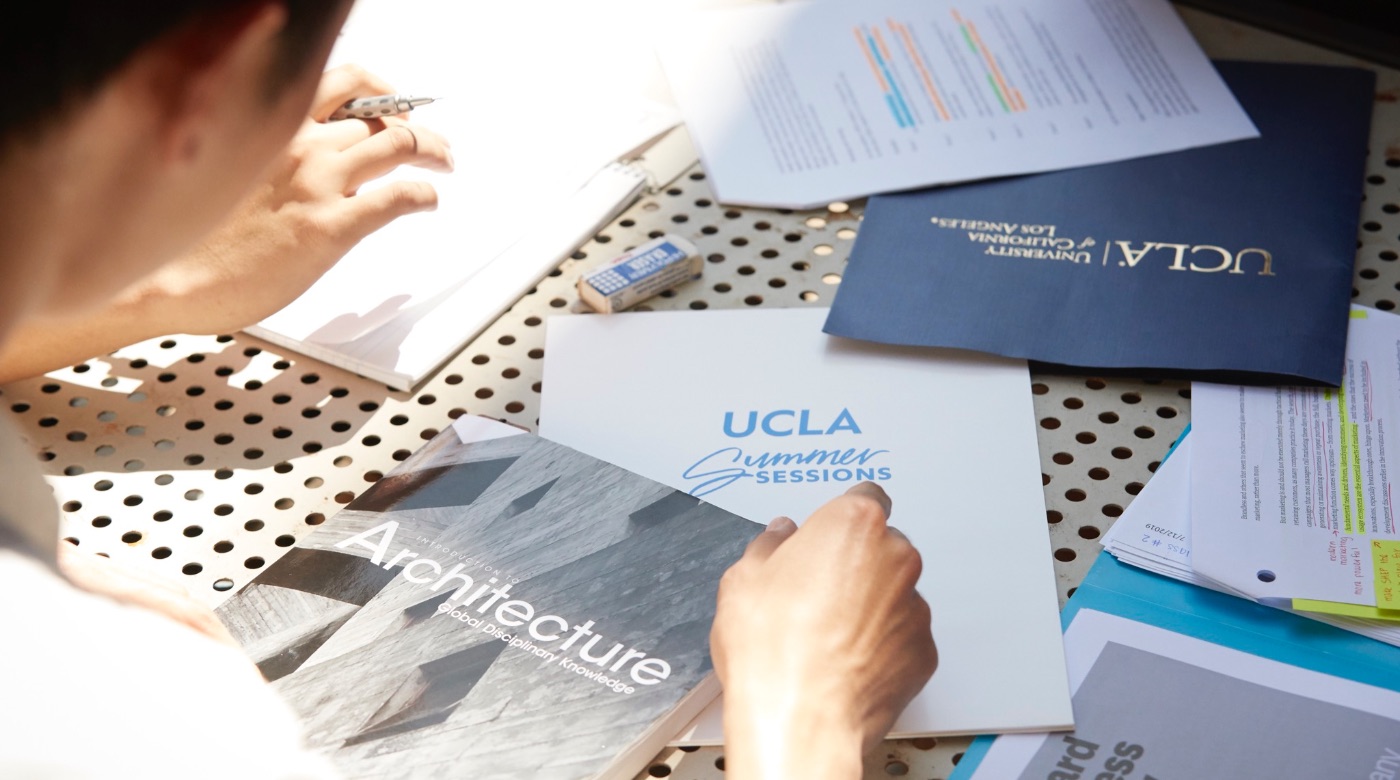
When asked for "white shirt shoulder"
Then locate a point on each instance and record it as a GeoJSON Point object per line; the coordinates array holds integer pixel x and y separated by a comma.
{"type": "Point", "coordinates": [96, 689]}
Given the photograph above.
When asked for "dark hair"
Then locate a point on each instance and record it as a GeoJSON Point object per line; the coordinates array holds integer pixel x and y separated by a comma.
{"type": "Point", "coordinates": [55, 53]}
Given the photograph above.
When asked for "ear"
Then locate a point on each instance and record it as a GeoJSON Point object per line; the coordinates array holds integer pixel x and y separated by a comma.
{"type": "Point", "coordinates": [208, 67]}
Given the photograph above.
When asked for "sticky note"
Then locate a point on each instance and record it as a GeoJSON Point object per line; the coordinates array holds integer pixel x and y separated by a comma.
{"type": "Point", "coordinates": [1346, 610]}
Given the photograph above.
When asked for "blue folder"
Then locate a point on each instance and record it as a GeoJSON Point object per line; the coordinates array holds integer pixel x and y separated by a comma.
{"type": "Point", "coordinates": [1230, 262]}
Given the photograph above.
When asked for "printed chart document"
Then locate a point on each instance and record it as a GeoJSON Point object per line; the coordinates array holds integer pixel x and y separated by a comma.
{"type": "Point", "coordinates": [808, 102]}
{"type": "Point", "coordinates": [534, 138]}
{"type": "Point", "coordinates": [1154, 534]}
{"type": "Point", "coordinates": [1153, 703]}
{"type": "Point", "coordinates": [760, 413]}
{"type": "Point", "coordinates": [1291, 488]}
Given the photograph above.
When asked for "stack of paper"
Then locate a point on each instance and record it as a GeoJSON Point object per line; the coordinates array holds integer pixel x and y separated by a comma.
{"type": "Point", "coordinates": [1291, 487]}
{"type": "Point", "coordinates": [1283, 495]}
{"type": "Point", "coordinates": [1154, 534]}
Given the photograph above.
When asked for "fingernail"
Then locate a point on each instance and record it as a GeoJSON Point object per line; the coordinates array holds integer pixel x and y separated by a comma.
{"type": "Point", "coordinates": [874, 491]}
{"type": "Point", "coordinates": [782, 524]}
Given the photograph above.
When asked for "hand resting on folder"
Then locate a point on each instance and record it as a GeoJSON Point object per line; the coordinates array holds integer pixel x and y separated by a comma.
{"type": "Point", "coordinates": [820, 640]}
{"type": "Point", "coordinates": [297, 223]}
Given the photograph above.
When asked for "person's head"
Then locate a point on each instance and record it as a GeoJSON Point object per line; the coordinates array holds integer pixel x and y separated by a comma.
{"type": "Point", "coordinates": [142, 123]}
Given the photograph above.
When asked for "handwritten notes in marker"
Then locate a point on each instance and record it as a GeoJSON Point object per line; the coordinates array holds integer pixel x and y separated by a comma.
{"type": "Point", "coordinates": [1385, 564]}
{"type": "Point", "coordinates": [1385, 570]}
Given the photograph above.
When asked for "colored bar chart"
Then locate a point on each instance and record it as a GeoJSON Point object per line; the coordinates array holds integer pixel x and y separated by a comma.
{"type": "Point", "coordinates": [906, 77]}
{"type": "Point", "coordinates": [1010, 99]}
{"type": "Point", "coordinates": [901, 31]}
{"type": "Point", "coordinates": [877, 55]}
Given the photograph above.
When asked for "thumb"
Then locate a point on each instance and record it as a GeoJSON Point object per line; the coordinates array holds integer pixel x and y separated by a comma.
{"type": "Point", "coordinates": [774, 535]}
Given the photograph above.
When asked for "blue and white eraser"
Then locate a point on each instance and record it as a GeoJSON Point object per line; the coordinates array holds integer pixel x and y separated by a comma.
{"type": "Point", "coordinates": [637, 275]}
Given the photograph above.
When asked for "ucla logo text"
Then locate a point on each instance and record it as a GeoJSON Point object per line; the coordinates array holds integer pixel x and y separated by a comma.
{"type": "Point", "coordinates": [788, 422]}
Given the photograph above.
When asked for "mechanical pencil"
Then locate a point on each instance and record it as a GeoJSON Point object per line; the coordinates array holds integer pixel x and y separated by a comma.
{"type": "Point", "coordinates": [379, 106]}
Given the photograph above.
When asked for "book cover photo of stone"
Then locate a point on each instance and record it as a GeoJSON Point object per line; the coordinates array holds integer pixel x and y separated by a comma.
{"type": "Point", "coordinates": [498, 606]}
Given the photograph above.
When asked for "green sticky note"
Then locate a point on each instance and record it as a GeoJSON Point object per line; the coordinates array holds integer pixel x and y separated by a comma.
{"type": "Point", "coordinates": [1358, 314]}
{"type": "Point", "coordinates": [1346, 610]}
{"type": "Point", "coordinates": [1385, 563]}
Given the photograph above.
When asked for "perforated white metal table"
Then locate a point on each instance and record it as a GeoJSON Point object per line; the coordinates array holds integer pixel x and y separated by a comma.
{"type": "Point", "coordinates": [205, 458]}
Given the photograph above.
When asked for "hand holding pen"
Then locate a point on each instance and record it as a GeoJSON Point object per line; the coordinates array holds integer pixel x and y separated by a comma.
{"type": "Point", "coordinates": [347, 155]}
{"type": "Point", "coordinates": [307, 214]}
{"type": "Point", "coordinates": [292, 227]}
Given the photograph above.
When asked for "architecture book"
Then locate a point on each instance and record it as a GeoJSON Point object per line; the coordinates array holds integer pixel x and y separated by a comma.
{"type": "Point", "coordinates": [1231, 262]}
{"type": "Point", "coordinates": [762, 414]}
{"type": "Point", "coordinates": [1175, 681]}
{"type": "Point", "coordinates": [498, 606]}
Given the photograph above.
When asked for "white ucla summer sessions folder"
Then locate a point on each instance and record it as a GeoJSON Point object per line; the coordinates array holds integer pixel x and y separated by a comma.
{"type": "Point", "coordinates": [762, 414]}
{"type": "Point", "coordinates": [535, 138]}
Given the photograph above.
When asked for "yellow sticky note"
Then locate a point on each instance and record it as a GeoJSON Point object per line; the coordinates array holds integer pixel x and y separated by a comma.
{"type": "Point", "coordinates": [1358, 314]}
{"type": "Point", "coordinates": [1385, 563]}
{"type": "Point", "coordinates": [1346, 610]}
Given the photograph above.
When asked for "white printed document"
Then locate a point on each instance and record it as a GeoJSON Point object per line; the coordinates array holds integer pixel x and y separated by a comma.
{"type": "Point", "coordinates": [537, 105]}
{"type": "Point", "coordinates": [762, 414]}
{"type": "Point", "coordinates": [1154, 533]}
{"type": "Point", "coordinates": [805, 103]}
{"type": "Point", "coordinates": [1291, 487]}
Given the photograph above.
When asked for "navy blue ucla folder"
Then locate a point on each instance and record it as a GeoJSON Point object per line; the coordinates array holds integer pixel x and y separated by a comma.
{"type": "Point", "coordinates": [1231, 262]}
